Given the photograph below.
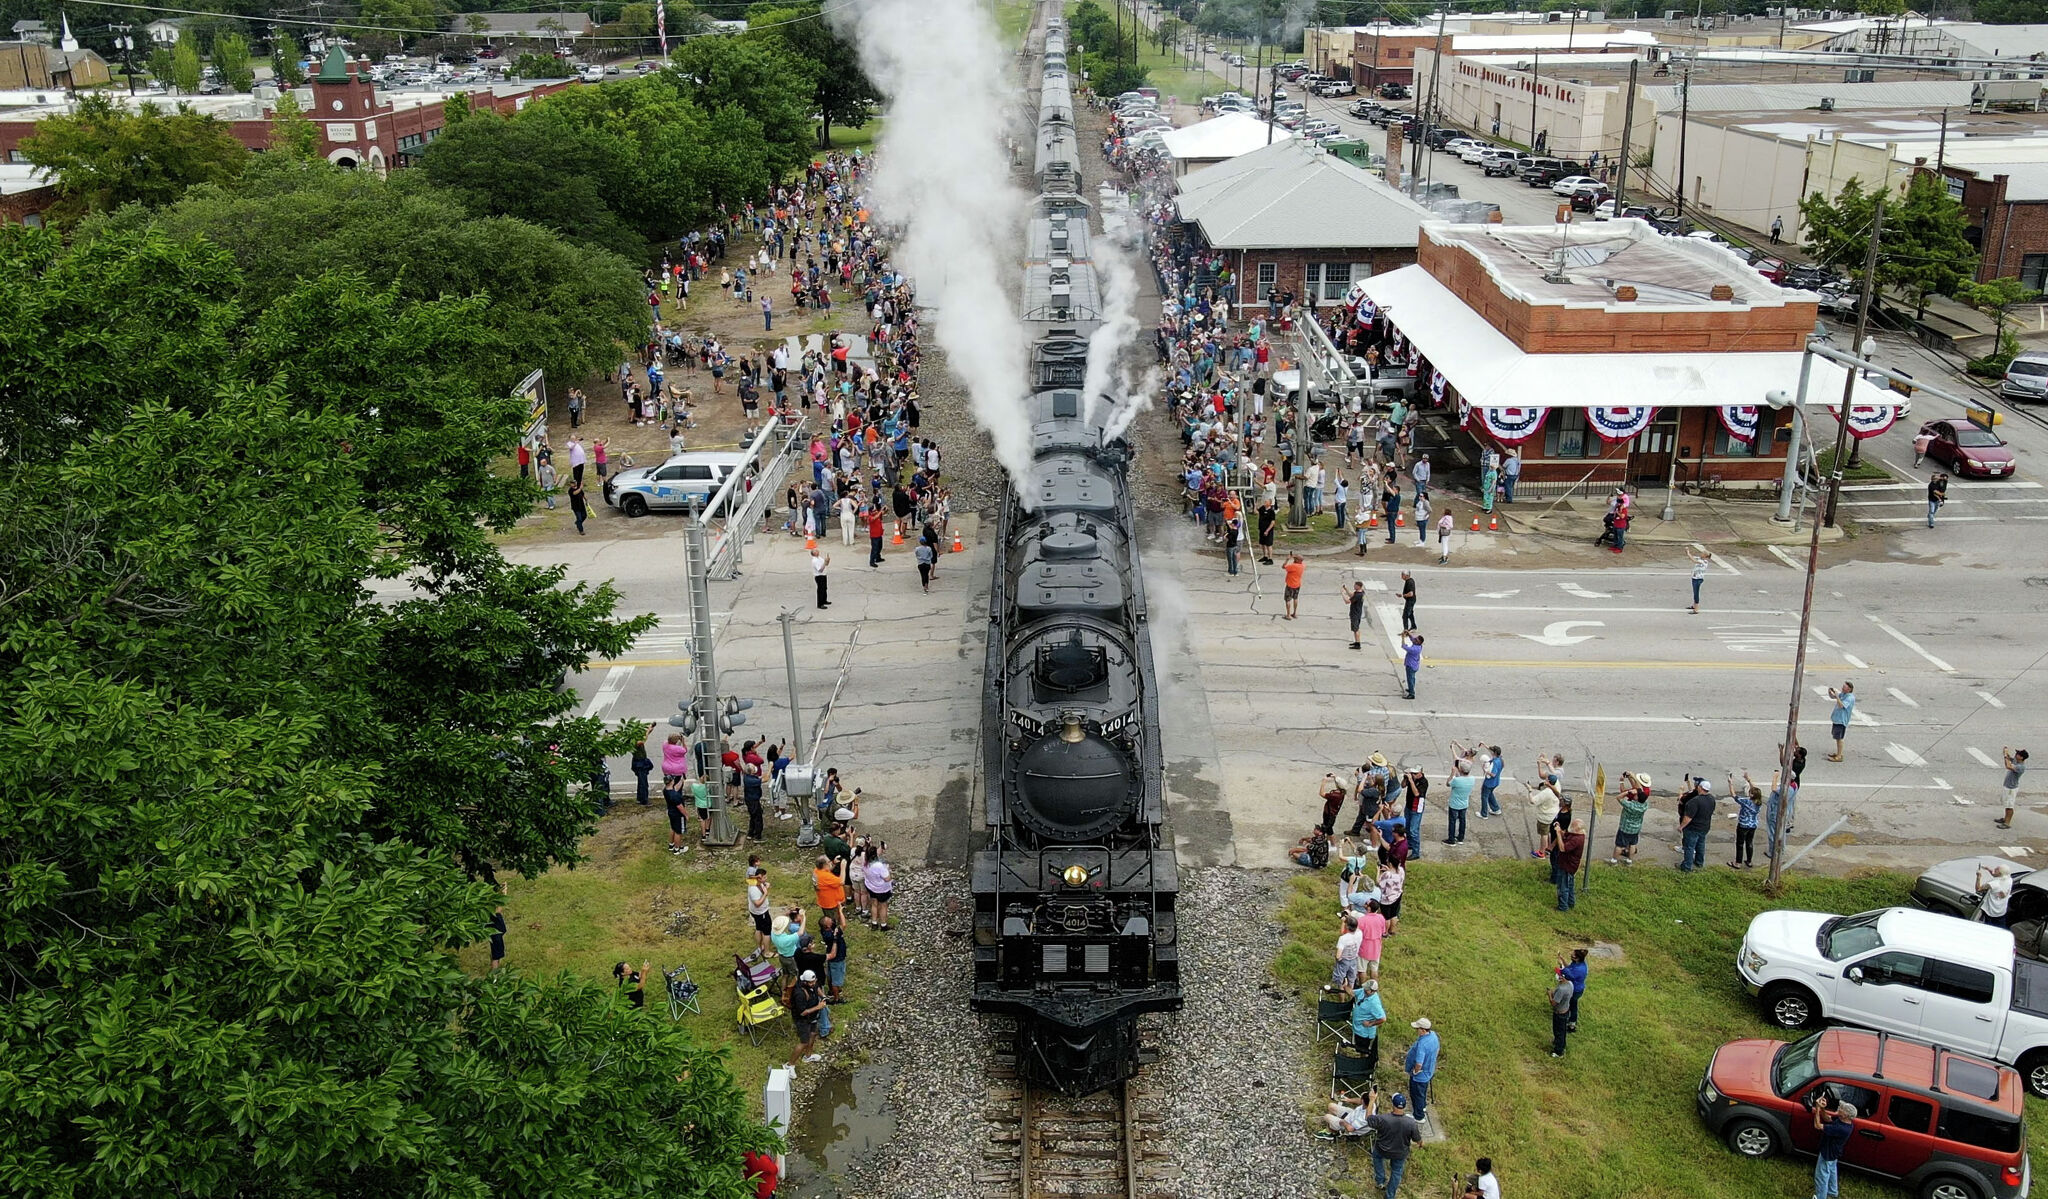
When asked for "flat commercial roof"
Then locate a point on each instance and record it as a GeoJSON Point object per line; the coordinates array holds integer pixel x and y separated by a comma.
{"type": "Point", "coordinates": [1667, 272]}
{"type": "Point", "coordinates": [1490, 371]}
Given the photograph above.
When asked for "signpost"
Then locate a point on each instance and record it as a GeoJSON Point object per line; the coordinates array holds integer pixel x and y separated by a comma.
{"type": "Point", "coordinates": [1599, 803]}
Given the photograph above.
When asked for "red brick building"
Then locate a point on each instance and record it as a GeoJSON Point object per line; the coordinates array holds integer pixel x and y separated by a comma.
{"type": "Point", "coordinates": [359, 126]}
{"type": "Point", "coordinates": [1291, 217]}
{"type": "Point", "coordinates": [2007, 209]}
{"type": "Point", "coordinates": [1608, 356]}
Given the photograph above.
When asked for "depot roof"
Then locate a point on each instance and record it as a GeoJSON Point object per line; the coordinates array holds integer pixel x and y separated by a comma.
{"type": "Point", "coordinates": [1296, 195]}
{"type": "Point", "coordinates": [1490, 371]}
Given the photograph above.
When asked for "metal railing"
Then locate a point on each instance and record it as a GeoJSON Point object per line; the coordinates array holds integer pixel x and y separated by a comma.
{"type": "Point", "coordinates": [749, 493]}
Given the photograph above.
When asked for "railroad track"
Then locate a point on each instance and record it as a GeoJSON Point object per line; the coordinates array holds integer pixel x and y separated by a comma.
{"type": "Point", "coordinates": [1048, 1146]}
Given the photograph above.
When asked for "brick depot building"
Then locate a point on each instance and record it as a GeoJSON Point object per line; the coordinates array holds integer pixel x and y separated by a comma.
{"type": "Point", "coordinates": [359, 125]}
{"type": "Point", "coordinates": [1610, 354]}
{"type": "Point", "coordinates": [1292, 217]}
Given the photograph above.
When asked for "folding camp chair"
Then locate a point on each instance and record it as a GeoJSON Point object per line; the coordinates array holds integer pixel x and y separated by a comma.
{"type": "Point", "coordinates": [1333, 1021]}
{"type": "Point", "coordinates": [755, 980]}
{"type": "Point", "coordinates": [682, 993]}
{"type": "Point", "coordinates": [1350, 1078]}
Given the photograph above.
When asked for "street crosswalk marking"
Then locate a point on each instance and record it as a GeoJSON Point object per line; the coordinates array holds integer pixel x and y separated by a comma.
{"type": "Point", "coordinates": [608, 692]}
{"type": "Point", "coordinates": [1983, 759]}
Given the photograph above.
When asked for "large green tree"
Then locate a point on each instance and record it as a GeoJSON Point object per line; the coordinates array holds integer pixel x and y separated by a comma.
{"type": "Point", "coordinates": [103, 157]}
{"type": "Point", "coordinates": [1923, 249]}
{"type": "Point", "coordinates": [228, 914]}
{"type": "Point", "coordinates": [763, 78]}
{"type": "Point", "coordinates": [550, 303]}
{"type": "Point", "coordinates": [232, 59]}
{"type": "Point", "coordinates": [490, 162]}
{"type": "Point", "coordinates": [842, 93]}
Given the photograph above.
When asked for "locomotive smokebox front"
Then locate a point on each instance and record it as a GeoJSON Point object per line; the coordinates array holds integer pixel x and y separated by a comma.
{"type": "Point", "coordinates": [1074, 785]}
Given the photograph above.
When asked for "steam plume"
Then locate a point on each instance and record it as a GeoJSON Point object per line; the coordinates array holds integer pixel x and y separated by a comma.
{"type": "Point", "coordinates": [1119, 322]}
{"type": "Point", "coordinates": [943, 176]}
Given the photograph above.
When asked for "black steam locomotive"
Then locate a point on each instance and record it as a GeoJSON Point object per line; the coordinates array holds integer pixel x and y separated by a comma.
{"type": "Point", "coordinates": [1075, 933]}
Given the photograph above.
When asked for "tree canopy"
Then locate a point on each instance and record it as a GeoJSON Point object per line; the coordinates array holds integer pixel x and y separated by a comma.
{"type": "Point", "coordinates": [102, 156]}
{"type": "Point", "coordinates": [549, 303]}
{"type": "Point", "coordinates": [252, 809]}
{"type": "Point", "coordinates": [842, 93]}
{"type": "Point", "coordinates": [1924, 249]}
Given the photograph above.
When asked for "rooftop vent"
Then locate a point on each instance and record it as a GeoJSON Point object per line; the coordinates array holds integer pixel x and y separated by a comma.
{"type": "Point", "coordinates": [1625, 293]}
{"type": "Point", "coordinates": [1722, 293]}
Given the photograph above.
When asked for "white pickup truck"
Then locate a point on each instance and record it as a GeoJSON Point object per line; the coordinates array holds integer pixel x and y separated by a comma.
{"type": "Point", "coordinates": [1953, 982]}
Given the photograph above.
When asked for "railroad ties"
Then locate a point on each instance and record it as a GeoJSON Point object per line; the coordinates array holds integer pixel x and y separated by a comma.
{"type": "Point", "coordinates": [1047, 1146]}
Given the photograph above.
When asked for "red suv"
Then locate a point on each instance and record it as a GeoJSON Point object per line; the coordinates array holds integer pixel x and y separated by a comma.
{"type": "Point", "coordinates": [1948, 1125]}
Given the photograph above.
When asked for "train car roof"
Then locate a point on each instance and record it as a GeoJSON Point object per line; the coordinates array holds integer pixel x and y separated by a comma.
{"type": "Point", "coordinates": [1054, 293]}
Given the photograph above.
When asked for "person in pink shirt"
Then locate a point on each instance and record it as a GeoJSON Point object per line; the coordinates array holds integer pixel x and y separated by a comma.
{"type": "Point", "coordinates": [1372, 933]}
{"type": "Point", "coordinates": [598, 455]}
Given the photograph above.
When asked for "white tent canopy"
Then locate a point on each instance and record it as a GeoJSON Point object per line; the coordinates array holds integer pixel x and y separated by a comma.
{"type": "Point", "coordinates": [1490, 371]}
{"type": "Point", "coordinates": [1217, 138]}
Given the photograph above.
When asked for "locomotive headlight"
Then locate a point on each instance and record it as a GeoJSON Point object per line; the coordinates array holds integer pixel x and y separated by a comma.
{"type": "Point", "coordinates": [1075, 876]}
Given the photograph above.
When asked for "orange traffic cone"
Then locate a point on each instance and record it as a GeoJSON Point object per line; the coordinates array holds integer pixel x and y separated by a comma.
{"type": "Point", "coordinates": [1475, 522]}
{"type": "Point", "coordinates": [1372, 520]}
{"type": "Point", "coordinates": [1493, 523]}
{"type": "Point", "coordinates": [810, 542]}
{"type": "Point", "coordinates": [1400, 521]}
{"type": "Point", "coordinates": [956, 543]}
{"type": "Point", "coordinates": [898, 539]}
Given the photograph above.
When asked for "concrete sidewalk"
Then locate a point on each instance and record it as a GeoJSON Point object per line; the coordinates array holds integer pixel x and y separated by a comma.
{"type": "Point", "coordinates": [1707, 522]}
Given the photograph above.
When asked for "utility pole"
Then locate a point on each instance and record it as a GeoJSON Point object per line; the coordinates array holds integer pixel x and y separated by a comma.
{"type": "Point", "coordinates": [1941, 147]}
{"type": "Point", "coordinates": [1836, 466]}
{"type": "Point", "coordinates": [1628, 117]}
{"type": "Point", "coordinates": [1272, 105]}
{"type": "Point", "coordinates": [1436, 68]}
{"type": "Point", "coordinates": [1684, 121]}
{"type": "Point", "coordinates": [1535, 86]}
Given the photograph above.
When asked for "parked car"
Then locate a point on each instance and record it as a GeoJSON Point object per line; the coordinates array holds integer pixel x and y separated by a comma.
{"type": "Point", "coordinates": [1948, 1125]}
{"type": "Point", "coordinates": [1475, 153]}
{"type": "Point", "coordinates": [1809, 278]}
{"type": "Point", "coordinates": [675, 485]}
{"type": "Point", "coordinates": [1571, 185]}
{"type": "Point", "coordinates": [1951, 888]}
{"type": "Point", "coordinates": [1334, 87]}
{"type": "Point", "coordinates": [1970, 449]}
{"type": "Point", "coordinates": [1542, 172]}
{"type": "Point", "coordinates": [1902, 970]}
{"type": "Point", "coordinates": [1318, 128]}
{"type": "Point", "coordinates": [1393, 91]}
{"type": "Point", "coordinates": [1592, 199]}
{"type": "Point", "coordinates": [2026, 378]}
{"type": "Point", "coordinates": [1507, 163]}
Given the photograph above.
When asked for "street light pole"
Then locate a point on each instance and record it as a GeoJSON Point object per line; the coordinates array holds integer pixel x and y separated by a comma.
{"type": "Point", "coordinates": [796, 713]}
{"type": "Point", "coordinates": [1791, 481]}
{"type": "Point", "coordinates": [1836, 465]}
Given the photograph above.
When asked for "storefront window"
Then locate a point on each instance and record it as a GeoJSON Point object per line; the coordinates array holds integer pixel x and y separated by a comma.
{"type": "Point", "coordinates": [1566, 436]}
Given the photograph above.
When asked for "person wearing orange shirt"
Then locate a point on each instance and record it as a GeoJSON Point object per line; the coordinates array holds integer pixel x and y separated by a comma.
{"type": "Point", "coordinates": [831, 888]}
{"type": "Point", "coordinates": [1293, 571]}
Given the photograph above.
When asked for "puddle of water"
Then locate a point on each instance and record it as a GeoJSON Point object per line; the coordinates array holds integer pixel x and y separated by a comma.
{"type": "Point", "coordinates": [847, 1119]}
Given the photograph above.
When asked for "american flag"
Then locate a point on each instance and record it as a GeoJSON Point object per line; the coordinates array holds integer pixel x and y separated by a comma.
{"type": "Point", "coordinates": [661, 25]}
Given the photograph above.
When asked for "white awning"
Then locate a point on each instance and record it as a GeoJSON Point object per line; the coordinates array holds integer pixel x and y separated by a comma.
{"type": "Point", "coordinates": [1490, 371]}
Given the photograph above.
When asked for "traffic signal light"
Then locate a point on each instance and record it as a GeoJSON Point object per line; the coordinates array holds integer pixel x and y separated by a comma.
{"type": "Point", "coordinates": [686, 719]}
{"type": "Point", "coordinates": [733, 713]}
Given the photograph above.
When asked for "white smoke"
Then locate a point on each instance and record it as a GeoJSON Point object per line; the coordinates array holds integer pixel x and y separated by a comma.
{"type": "Point", "coordinates": [1119, 280]}
{"type": "Point", "coordinates": [943, 176]}
{"type": "Point", "coordinates": [1137, 396]}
